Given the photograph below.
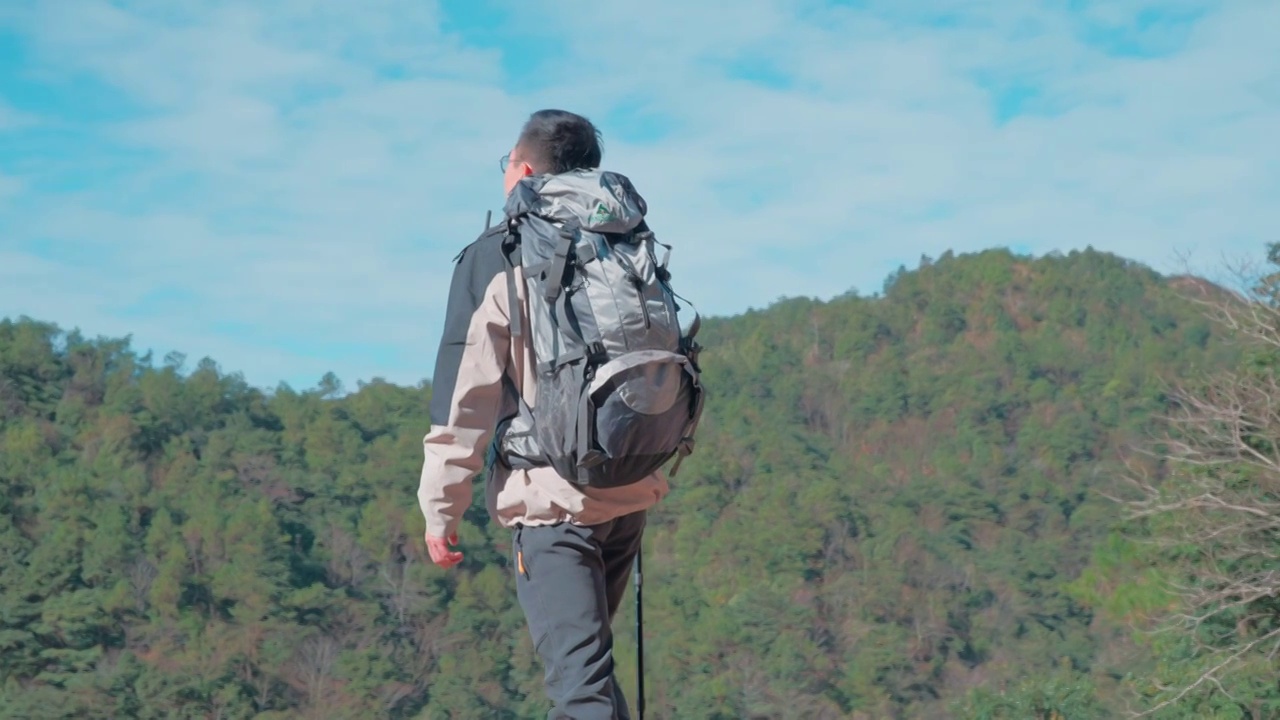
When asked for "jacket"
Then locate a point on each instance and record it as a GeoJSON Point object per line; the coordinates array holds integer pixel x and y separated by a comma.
{"type": "Point", "coordinates": [479, 372]}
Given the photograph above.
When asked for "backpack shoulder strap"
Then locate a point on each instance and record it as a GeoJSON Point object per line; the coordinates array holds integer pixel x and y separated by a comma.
{"type": "Point", "coordinates": [511, 253]}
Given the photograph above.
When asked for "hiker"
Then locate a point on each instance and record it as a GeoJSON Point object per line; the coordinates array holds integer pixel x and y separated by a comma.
{"type": "Point", "coordinates": [576, 503]}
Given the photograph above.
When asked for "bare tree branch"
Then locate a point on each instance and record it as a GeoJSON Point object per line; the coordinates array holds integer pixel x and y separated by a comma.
{"type": "Point", "coordinates": [1213, 484]}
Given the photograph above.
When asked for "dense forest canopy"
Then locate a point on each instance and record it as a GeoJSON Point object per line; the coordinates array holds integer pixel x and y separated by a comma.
{"type": "Point", "coordinates": [895, 510]}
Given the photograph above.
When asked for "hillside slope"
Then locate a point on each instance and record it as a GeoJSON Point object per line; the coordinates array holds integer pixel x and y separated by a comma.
{"type": "Point", "coordinates": [889, 499]}
{"type": "Point", "coordinates": [894, 492]}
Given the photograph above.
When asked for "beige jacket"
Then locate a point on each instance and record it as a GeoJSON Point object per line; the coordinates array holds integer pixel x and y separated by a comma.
{"type": "Point", "coordinates": [478, 373]}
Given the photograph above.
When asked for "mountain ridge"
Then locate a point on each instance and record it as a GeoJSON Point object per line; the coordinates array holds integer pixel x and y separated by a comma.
{"type": "Point", "coordinates": [890, 500]}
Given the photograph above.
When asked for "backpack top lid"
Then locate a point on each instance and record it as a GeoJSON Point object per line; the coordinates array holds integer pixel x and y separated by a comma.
{"type": "Point", "coordinates": [601, 201]}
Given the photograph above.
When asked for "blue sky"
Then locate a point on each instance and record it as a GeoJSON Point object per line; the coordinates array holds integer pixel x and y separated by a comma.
{"type": "Point", "coordinates": [282, 188]}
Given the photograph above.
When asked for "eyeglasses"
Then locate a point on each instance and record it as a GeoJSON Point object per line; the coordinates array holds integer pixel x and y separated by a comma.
{"type": "Point", "coordinates": [504, 161]}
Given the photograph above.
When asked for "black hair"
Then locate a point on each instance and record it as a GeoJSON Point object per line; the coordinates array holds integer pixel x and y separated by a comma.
{"type": "Point", "coordinates": [557, 141]}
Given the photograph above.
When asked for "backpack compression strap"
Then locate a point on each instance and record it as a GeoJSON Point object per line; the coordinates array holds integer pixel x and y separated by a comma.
{"type": "Point", "coordinates": [685, 449]}
{"type": "Point", "coordinates": [568, 232]}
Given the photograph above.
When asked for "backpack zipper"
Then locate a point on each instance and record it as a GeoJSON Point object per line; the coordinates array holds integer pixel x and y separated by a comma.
{"type": "Point", "coordinates": [644, 306]}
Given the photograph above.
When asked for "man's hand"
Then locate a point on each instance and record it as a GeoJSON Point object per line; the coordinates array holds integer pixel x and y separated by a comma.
{"type": "Point", "coordinates": [440, 553]}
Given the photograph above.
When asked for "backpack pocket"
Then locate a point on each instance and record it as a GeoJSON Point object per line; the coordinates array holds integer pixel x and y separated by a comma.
{"type": "Point", "coordinates": [637, 412]}
{"type": "Point", "coordinates": [516, 442]}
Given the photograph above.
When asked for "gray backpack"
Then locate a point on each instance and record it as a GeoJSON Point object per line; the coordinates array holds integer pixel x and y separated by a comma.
{"type": "Point", "coordinates": [618, 384]}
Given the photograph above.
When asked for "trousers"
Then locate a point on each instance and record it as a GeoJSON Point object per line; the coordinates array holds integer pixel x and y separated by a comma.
{"type": "Point", "coordinates": [569, 581]}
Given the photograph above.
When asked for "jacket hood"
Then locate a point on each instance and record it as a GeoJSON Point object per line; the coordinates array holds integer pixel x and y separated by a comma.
{"type": "Point", "coordinates": [601, 201]}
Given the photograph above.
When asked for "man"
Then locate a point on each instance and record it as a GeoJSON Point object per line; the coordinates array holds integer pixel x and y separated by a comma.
{"type": "Point", "coordinates": [573, 546]}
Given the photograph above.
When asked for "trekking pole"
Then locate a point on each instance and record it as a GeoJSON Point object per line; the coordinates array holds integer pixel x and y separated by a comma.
{"type": "Point", "coordinates": [639, 641]}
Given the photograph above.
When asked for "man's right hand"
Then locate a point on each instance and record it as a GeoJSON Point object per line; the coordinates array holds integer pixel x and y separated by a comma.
{"type": "Point", "coordinates": [440, 553]}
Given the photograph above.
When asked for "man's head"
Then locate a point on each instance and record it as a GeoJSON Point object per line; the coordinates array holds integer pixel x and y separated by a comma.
{"type": "Point", "coordinates": [553, 142]}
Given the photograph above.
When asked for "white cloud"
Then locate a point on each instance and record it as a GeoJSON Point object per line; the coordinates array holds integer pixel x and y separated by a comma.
{"type": "Point", "coordinates": [310, 173]}
{"type": "Point", "coordinates": [12, 119]}
{"type": "Point", "coordinates": [1141, 157]}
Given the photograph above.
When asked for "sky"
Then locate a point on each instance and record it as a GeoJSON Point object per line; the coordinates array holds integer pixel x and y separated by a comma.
{"type": "Point", "coordinates": [282, 186]}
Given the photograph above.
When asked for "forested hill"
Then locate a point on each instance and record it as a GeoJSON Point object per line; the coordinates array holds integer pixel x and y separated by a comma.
{"type": "Point", "coordinates": [889, 502]}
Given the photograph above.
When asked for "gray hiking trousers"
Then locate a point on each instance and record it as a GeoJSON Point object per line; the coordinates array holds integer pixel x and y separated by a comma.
{"type": "Point", "coordinates": [570, 580]}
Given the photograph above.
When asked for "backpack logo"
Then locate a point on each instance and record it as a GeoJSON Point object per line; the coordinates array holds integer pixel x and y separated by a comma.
{"type": "Point", "coordinates": [602, 215]}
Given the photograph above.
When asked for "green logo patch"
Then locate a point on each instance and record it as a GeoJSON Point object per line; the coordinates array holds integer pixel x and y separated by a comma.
{"type": "Point", "coordinates": [602, 215]}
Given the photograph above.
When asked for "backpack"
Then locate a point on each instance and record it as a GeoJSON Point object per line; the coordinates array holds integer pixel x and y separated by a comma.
{"type": "Point", "coordinates": [619, 389]}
